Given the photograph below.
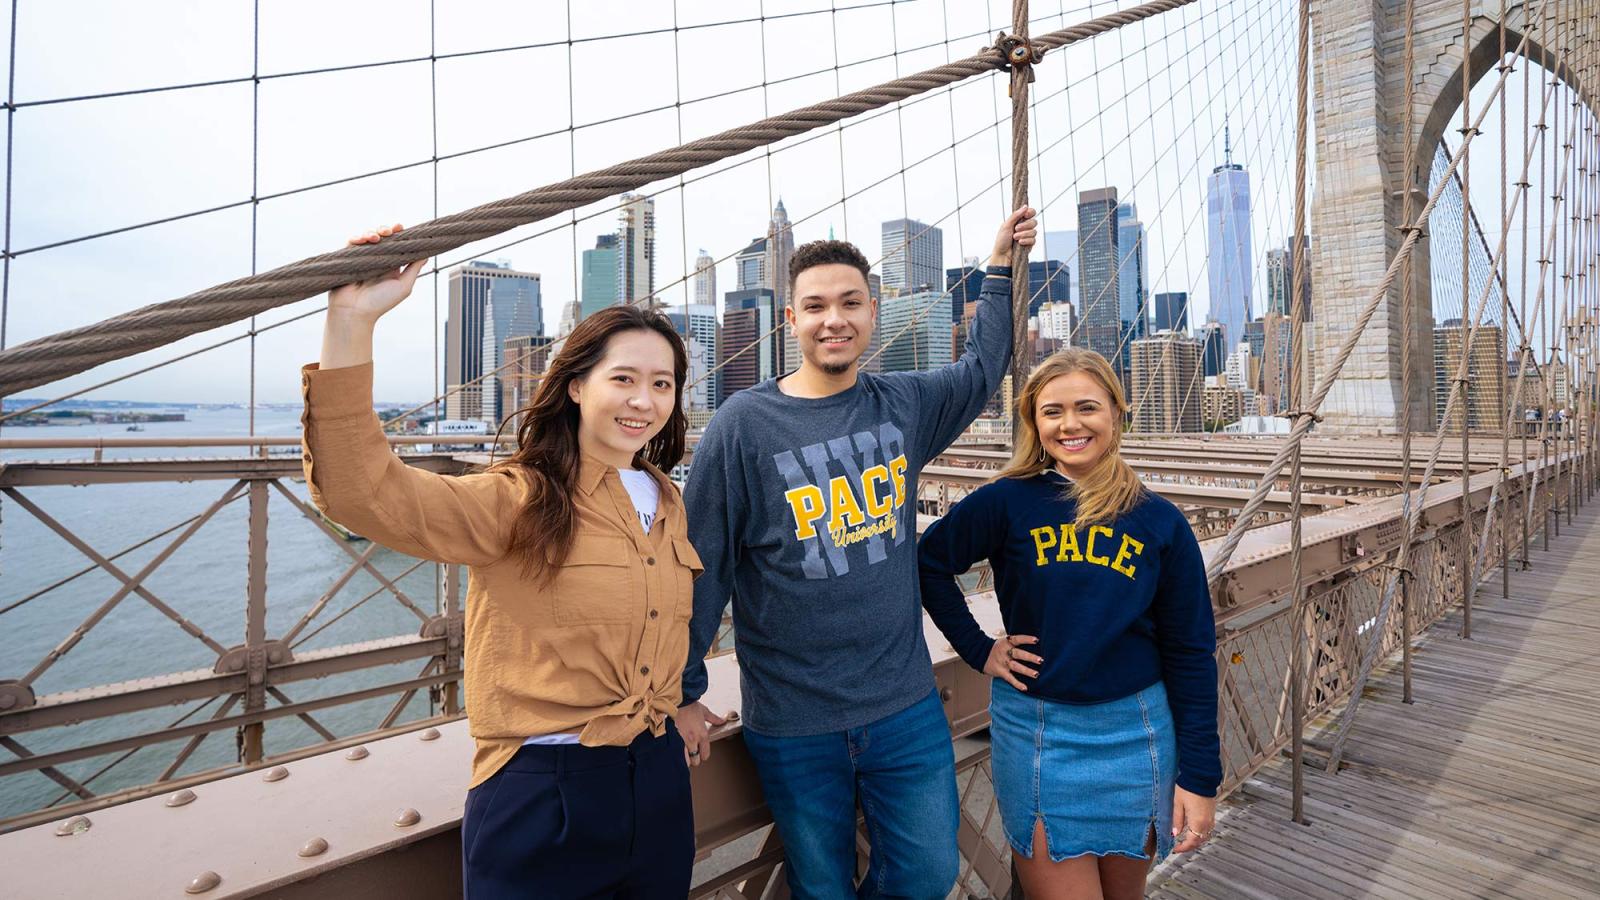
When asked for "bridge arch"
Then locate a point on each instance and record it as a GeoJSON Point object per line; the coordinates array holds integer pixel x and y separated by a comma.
{"type": "Point", "coordinates": [1361, 179]}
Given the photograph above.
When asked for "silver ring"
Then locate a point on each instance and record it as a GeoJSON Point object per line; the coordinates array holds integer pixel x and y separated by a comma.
{"type": "Point", "coordinates": [694, 752]}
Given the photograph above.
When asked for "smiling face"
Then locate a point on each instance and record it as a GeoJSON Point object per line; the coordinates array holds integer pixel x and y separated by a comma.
{"type": "Point", "coordinates": [627, 398]}
{"type": "Point", "coordinates": [1077, 422]}
{"type": "Point", "coordinates": [832, 316]}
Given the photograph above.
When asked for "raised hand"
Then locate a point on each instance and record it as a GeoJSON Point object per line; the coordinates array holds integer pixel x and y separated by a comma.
{"type": "Point", "coordinates": [1021, 227]}
{"type": "Point", "coordinates": [1007, 658]}
{"type": "Point", "coordinates": [368, 300]}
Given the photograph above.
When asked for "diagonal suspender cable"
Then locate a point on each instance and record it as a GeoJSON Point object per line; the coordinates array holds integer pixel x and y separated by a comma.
{"type": "Point", "coordinates": [69, 352]}
{"type": "Point", "coordinates": [1302, 426]}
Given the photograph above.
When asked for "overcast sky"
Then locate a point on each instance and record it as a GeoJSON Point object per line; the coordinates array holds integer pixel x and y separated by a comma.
{"type": "Point", "coordinates": [1142, 108]}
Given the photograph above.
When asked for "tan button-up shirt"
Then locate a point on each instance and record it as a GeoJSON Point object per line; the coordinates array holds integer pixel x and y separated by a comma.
{"type": "Point", "coordinates": [599, 647]}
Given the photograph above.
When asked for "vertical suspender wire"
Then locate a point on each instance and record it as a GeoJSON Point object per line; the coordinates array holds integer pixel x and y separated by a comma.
{"type": "Point", "coordinates": [11, 131]}
{"type": "Point", "coordinates": [1541, 483]}
{"type": "Point", "coordinates": [255, 186]}
{"type": "Point", "coordinates": [1558, 284]}
{"type": "Point", "coordinates": [1523, 357]}
{"type": "Point", "coordinates": [1297, 624]}
{"type": "Point", "coordinates": [1019, 198]}
{"type": "Point", "coordinates": [1466, 341]}
{"type": "Point", "coordinates": [1505, 331]}
{"type": "Point", "coordinates": [1407, 338]}
{"type": "Point", "coordinates": [1369, 654]}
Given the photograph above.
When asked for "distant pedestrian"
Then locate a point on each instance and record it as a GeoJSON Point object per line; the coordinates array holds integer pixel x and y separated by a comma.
{"type": "Point", "coordinates": [578, 596]}
{"type": "Point", "coordinates": [1103, 715]}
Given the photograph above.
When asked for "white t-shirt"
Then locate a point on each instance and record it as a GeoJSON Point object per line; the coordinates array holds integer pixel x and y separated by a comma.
{"type": "Point", "coordinates": [646, 494]}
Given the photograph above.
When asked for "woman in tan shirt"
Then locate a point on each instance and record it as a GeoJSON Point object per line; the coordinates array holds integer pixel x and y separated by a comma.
{"type": "Point", "coordinates": [578, 598]}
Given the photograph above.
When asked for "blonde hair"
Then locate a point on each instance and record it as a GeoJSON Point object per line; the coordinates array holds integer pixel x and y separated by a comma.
{"type": "Point", "coordinates": [1111, 488]}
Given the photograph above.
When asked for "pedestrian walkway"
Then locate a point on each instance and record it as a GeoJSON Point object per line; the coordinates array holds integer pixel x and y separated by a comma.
{"type": "Point", "coordinates": [1488, 785]}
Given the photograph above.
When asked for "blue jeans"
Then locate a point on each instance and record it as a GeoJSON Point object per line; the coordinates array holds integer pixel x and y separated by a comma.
{"type": "Point", "coordinates": [902, 768]}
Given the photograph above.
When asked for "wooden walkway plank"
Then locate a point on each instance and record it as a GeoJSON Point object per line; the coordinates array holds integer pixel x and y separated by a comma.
{"type": "Point", "coordinates": [1487, 786]}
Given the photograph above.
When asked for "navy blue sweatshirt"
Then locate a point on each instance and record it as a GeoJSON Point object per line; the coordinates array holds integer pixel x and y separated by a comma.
{"type": "Point", "coordinates": [1116, 607]}
{"type": "Point", "coordinates": [804, 512]}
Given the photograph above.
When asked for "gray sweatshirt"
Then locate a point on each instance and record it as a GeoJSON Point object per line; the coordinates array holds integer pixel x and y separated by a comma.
{"type": "Point", "coordinates": [804, 512]}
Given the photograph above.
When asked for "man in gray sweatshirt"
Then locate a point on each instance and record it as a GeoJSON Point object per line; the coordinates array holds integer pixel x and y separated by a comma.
{"type": "Point", "coordinates": [801, 504]}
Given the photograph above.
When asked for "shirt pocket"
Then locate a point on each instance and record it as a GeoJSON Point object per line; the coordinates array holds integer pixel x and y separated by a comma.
{"type": "Point", "coordinates": [598, 583]}
{"type": "Point", "coordinates": [686, 571]}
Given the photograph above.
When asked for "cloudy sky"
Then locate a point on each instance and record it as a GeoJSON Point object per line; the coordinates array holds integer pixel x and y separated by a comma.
{"type": "Point", "coordinates": [526, 93]}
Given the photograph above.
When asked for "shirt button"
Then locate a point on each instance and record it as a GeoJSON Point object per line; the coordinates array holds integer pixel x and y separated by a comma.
{"type": "Point", "coordinates": [654, 613]}
{"type": "Point", "coordinates": [651, 560]}
{"type": "Point", "coordinates": [644, 670]}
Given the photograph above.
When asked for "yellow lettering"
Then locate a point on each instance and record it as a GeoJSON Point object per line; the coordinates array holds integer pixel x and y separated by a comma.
{"type": "Point", "coordinates": [1120, 563]}
{"type": "Point", "coordinates": [876, 506]}
{"type": "Point", "coordinates": [806, 504]}
{"type": "Point", "coordinates": [897, 473]}
{"type": "Point", "coordinates": [1069, 545]}
{"type": "Point", "coordinates": [845, 510]}
{"type": "Point", "coordinates": [1044, 538]}
{"type": "Point", "coordinates": [1088, 552]}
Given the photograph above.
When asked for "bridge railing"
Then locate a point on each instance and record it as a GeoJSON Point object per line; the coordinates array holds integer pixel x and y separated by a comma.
{"type": "Point", "coordinates": [398, 681]}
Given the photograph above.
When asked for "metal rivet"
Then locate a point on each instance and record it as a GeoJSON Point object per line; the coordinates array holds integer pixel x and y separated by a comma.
{"type": "Point", "coordinates": [407, 817]}
{"type": "Point", "coordinates": [314, 847]}
{"type": "Point", "coordinates": [203, 882]}
{"type": "Point", "coordinates": [276, 773]}
{"type": "Point", "coordinates": [7, 701]}
{"type": "Point", "coordinates": [431, 734]}
{"type": "Point", "coordinates": [72, 826]}
{"type": "Point", "coordinates": [181, 798]}
{"type": "Point", "coordinates": [945, 694]}
{"type": "Point", "coordinates": [275, 656]}
{"type": "Point", "coordinates": [357, 753]}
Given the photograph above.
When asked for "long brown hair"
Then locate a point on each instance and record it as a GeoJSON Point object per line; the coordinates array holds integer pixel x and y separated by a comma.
{"type": "Point", "coordinates": [547, 440]}
{"type": "Point", "coordinates": [1112, 487]}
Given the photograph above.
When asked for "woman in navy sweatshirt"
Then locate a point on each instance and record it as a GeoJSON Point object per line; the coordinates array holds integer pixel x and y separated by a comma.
{"type": "Point", "coordinates": [1104, 706]}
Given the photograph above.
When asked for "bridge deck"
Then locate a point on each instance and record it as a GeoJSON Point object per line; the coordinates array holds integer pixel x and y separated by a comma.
{"type": "Point", "coordinates": [1486, 786]}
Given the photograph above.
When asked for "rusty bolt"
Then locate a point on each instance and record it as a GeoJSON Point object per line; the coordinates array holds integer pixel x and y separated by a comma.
{"type": "Point", "coordinates": [181, 798]}
{"type": "Point", "coordinates": [314, 847]}
{"type": "Point", "coordinates": [203, 882]}
{"type": "Point", "coordinates": [357, 753]}
{"type": "Point", "coordinates": [276, 773]}
{"type": "Point", "coordinates": [431, 734]}
{"type": "Point", "coordinates": [72, 826]}
{"type": "Point", "coordinates": [406, 818]}
{"type": "Point", "coordinates": [1237, 658]}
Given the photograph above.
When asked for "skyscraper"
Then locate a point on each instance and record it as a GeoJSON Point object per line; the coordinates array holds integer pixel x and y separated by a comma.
{"type": "Point", "coordinates": [913, 256]}
{"type": "Point", "coordinates": [1280, 280]}
{"type": "Point", "coordinates": [1098, 286]}
{"type": "Point", "coordinates": [748, 353]}
{"type": "Point", "coordinates": [636, 248]}
{"type": "Point", "coordinates": [489, 303]}
{"type": "Point", "coordinates": [1049, 281]}
{"type": "Point", "coordinates": [599, 276]}
{"type": "Point", "coordinates": [916, 332]}
{"type": "Point", "coordinates": [1063, 245]}
{"type": "Point", "coordinates": [1171, 312]}
{"type": "Point", "coordinates": [1485, 366]}
{"type": "Point", "coordinates": [1165, 383]}
{"type": "Point", "coordinates": [525, 358]}
{"type": "Point", "coordinates": [964, 285]}
{"type": "Point", "coordinates": [697, 325]}
{"type": "Point", "coordinates": [1133, 272]}
{"type": "Point", "coordinates": [1228, 244]}
{"type": "Point", "coordinates": [779, 250]}
{"type": "Point", "coordinates": [1213, 351]}
{"type": "Point", "coordinates": [705, 280]}
{"type": "Point", "coordinates": [750, 267]}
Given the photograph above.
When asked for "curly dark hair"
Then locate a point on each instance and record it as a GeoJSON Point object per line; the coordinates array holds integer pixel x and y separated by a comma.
{"type": "Point", "coordinates": [823, 253]}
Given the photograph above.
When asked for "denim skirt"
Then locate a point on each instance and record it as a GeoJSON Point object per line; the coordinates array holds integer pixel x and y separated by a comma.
{"type": "Point", "coordinates": [1100, 776]}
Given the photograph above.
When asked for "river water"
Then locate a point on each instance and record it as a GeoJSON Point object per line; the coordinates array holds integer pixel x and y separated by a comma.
{"type": "Point", "coordinates": [204, 580]}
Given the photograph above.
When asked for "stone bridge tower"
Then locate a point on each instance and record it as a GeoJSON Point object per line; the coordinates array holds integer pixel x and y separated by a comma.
{"type": "Point", "coordinates": [1360, 128]}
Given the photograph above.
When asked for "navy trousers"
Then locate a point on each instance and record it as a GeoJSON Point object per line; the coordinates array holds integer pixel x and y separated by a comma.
{"type": "Point", "coordinates": [559, 822]}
